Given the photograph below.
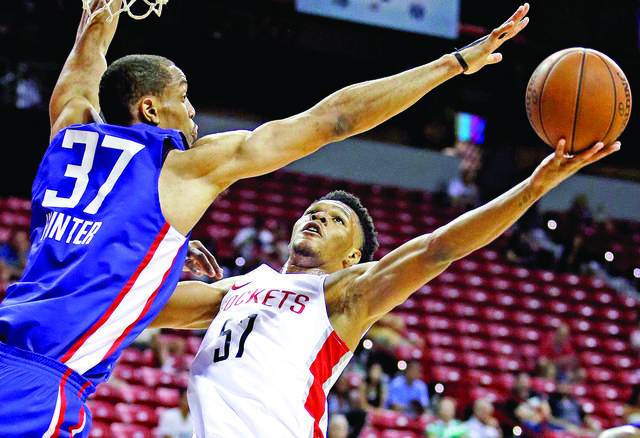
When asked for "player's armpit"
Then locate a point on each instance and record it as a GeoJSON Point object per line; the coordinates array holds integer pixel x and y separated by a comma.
{"type": "Point", "coordinates": [397, 275]}
{"type": "Point", "coordinates": [193, 305]}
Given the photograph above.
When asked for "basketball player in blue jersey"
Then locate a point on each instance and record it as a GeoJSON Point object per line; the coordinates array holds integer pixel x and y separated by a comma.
{"type": "Point", "coordinates": [114, 203]}
{"type": "Point", "coordinates": [277, 342]}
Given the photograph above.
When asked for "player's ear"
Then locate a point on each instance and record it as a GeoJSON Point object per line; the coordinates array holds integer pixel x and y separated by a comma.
{"type": "Point", "coordinates": [352, 259]}
{"type": "Point", "coordinates": [148, 111]}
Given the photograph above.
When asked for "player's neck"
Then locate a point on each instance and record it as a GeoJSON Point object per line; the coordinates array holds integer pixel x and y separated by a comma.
{"type": "Point", "coordinates": [293, 266]}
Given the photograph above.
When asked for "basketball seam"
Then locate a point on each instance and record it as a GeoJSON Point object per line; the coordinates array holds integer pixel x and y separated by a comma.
{"type": "Point", "coordinates": [544, 83]}
{"type": "Point", "coordinates": [615, 95]}
{"type": "Point", "coordinates": [575, 114]}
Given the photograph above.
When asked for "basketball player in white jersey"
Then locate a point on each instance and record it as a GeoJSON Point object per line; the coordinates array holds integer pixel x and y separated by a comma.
{"type": "Point", "coordinates": [277, 341]}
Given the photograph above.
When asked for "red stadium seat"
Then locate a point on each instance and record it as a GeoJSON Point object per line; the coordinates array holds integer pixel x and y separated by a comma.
{"type": "Point", "coordinates": [445, 374]}
{"type": "Point", "coordinates": [434, 306]}
{"type": "Point", "coordinates": [369, 432]}
{"type": "Point", "coordinates": [102, 411]}
{"type": "Point", "coordinates": [599, 374]}
{"type": "Point", "coordinates": [439, 339]}
{"type": "Point", "coordinates": [504, 381]}
{"type": "Point", "coordinates": [471, 343]}
{"type": "Point", "coordinates": [592, 358]}
{"type": "Point", "coordinates": [108, 393]}
{"type": "Point", "coordinates": [407, 352]}
{"type": "Point", "coordinates": [480, 377]}
{"type": "Point", "coordinates": [139, 394]}
{"type": "Point", "coordinates": [168, 397]}
{"type": "Point", "coordinates": [464, 310]}
{"type": "Point", "coordinates": [120, 430]}
{"type": "Point", "coordinates": [468, 327]}
{"type": "Point", "coordinates": [494, 313]}
{"type": "Point", "coordinates": [438, 323]}
{"type": "Point", "coordinates": [442, 356]}
{"type": "Point", "coordinates": [621, 361]}
{"type": "Point", "coordinates": [543, 385]}
{"type": "Point", "coordinates": [474, 359]}
{"type": "Point", "coordinates": [604, 391]}
{"type": "Point", "coordinates": [100, 430]}
{"type": "Point", "coordinates": [136, 414]}
{"type": "Point", "coordinates": [581, 325]}
{"type": "Point", "coordinates": [392, 433]}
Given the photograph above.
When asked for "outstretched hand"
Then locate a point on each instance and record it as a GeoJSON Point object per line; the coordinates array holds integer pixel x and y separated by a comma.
{"type": "Point", "coordinates": [200, 261]}
{"type": "Point", "coordinates": [560, 165]}
{"type": "Point", "coordinates": [481, 53]}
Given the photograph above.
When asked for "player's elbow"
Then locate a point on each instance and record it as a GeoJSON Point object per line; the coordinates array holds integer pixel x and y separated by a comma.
{"type": "Point", "coordinates": [435, 250]}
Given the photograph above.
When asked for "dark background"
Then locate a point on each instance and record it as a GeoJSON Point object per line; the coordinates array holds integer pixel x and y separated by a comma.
{"type": "Point", "coordinates": [264, 60]}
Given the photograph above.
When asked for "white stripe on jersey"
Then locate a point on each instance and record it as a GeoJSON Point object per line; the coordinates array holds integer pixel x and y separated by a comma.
{"type": "Point", "coordinates": [94, 348]}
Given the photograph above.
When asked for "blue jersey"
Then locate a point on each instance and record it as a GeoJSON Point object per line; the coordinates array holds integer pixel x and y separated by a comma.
{"type": "Point", "coordinates": [103, 261]}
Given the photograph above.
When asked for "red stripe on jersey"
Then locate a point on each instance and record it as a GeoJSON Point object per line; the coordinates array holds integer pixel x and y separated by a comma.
{"type": "Point", "coordinates": [80, 425]}
{"type": "Point", "coordinates": [124, 334]}
{"type": "Point", "coordinates": [63, 403]}
{"type": "Point", "coordinates": [120, 296]}
{"type": "Point", "coordinates": [327, 358]}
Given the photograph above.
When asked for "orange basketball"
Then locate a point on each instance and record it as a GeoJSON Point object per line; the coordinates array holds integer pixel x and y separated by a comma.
{"type": "Point", "coordinates": [579, 94]}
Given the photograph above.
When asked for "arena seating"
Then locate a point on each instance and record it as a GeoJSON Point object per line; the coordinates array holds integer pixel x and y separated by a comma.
{"type": "Point", "coordinates": [482, 320]}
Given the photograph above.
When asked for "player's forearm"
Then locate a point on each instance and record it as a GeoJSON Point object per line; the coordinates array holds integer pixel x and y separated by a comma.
{"type": "Point", "coordinates": [81, 73]}
{"type": "Point", "coordinates": [362, 106]}
{"type": "Point", "coordinates": [193, 305]}
{"type": "Point", "coordinates": [480, 226]}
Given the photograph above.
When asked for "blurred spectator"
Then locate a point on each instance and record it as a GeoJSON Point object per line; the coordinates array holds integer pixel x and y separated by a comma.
{"type": "Point", "coordinates": [407, 392]}
{"type": "Point", "coordinates": [387, 334]}
{"type": "Point", "coordinates": [568, 413]}
{"type": "Point", "coordinates": [339, 399]}
{"type": "Point", "coordinates": [572, 238]}
{"type": "Point", "coordinates": [447, 426]}
{"type": "Point", "coordinates": [176, 422]}
{"type": "Point", "coordinates": [529, 244]}
{"type": "Point", "coordinates": [558, 359]}
{"type": "Point", "coordinates": [14, 253]}
{"type": "Point", "coordinates": [632, 406]}
{"type": "Point", "coordinates": [536, 417]}
{"type": "Point", "coordinates": [375, 387]}
{"type": "Point", "coordinates": [482, 423]}
{"type": "Point", "coordinates": [634, 338]}
{"type": "Point", "coordinates": [147, 339]}
{"type": "Point", "coordinates": [338, 427]}
{"type": "Point", "coordinates": [521, 393]}
{"type": "Point", "coordinates": [463, 192]}
{"type": "Point", "coordinates": [253, 237]}
{"type": "Point", "coordinates": [345, 400]}
{"type": "Point", "coordinates": [170, 353]}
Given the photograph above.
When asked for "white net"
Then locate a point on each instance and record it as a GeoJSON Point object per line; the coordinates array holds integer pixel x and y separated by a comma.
{"type": "Point", "coordinates": [94, 9]}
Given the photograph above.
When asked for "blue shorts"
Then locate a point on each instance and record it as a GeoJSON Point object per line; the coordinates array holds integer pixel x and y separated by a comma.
{"type": "Point", "coordinates": [41, 397]}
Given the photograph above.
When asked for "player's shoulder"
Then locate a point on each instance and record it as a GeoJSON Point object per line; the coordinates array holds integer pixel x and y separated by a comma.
{"type": "Point", "coordinates": [343, 278]}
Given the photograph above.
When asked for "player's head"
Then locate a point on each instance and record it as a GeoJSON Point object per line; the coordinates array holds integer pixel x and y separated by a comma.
{"type": "Point", "coordinates": [147, 89]}
{"type": "Point", "coordinates": [336, 230]}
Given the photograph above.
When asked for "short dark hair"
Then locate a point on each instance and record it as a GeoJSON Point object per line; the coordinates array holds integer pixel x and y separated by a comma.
{"type": "Point", "coordinates": [370, 241]}
{"type": "Point", "coordinates": [126, 80]}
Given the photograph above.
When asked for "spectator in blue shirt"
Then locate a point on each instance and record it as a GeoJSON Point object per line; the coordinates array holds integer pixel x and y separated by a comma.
{"type": "Point", "coordinates": [407, 392]}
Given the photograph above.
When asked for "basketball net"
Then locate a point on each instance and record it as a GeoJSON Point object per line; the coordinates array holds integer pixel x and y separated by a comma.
{"type": "Point", "coordinates": [154, 6]}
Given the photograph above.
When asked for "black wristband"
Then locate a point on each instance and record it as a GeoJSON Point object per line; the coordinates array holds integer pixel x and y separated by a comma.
{"type": "Point", "coordinates": [461, 60]}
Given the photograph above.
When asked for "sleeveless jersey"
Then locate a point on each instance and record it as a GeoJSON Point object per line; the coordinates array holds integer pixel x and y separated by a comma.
{"type": "Point", "coordinates": [268, 360]}
{"type": "Point", "coordinates": [103, 260]}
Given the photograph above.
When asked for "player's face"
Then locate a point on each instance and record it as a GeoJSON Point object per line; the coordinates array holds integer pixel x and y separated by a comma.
{"type": "Point", "coordinates": [328, 232]}
{"type": "Point", "coordinates": [174, 109]}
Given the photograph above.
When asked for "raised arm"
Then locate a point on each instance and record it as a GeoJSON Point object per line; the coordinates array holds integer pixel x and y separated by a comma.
{"type": "Point", "coordinates": [389, 282]}
{"type": "Point", "coordinates": [75, 96]}
{"type": "Point", "coordinates": [350, 111]}
{"type": "Point", "coordinates": [193, 305]}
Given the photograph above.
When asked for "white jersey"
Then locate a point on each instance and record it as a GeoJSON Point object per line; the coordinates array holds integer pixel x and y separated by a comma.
{"type": "Point", "coordinates": [268, 360]}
